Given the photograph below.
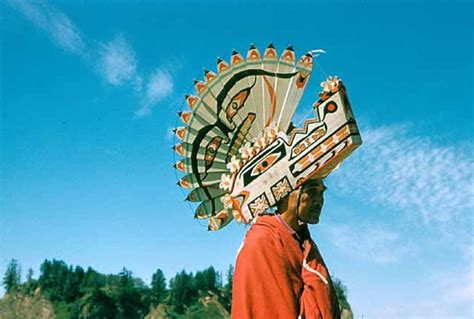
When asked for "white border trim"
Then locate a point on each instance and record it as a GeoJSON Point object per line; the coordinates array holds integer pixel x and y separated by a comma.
{"type": "Point", "coordinates": [308, 268]}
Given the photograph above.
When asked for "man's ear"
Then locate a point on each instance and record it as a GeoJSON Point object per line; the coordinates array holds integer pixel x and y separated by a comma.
{"type": "Point", "coordinates": [292, 200]}
{"type": "Point", "coordinates": [304, 198]}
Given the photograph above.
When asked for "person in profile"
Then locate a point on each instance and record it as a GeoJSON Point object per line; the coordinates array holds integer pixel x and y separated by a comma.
{"type": "Point", "coordinates": [242, 156]}
{"type": "Point", "coordinates": [279, 272]}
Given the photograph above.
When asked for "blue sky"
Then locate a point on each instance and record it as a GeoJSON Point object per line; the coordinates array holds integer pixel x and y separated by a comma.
{"type": "Point", "coordinates": [89, 94]}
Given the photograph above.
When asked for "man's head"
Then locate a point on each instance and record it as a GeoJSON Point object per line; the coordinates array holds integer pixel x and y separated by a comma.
{"type": "Point", "coordinates": [304, 204]}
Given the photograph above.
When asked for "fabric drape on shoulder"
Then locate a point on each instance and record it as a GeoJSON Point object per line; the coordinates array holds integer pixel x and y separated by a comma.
{"type": "Point", "coordinates": [267, 278]}
{"type": "Point", "coordinates": [270, 280]}
{"type": "Point", "coordinates": [318, 299]}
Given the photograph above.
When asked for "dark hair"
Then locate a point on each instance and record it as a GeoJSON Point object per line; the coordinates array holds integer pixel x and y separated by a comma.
{"type": "Point", "coordinates": [282, 204]}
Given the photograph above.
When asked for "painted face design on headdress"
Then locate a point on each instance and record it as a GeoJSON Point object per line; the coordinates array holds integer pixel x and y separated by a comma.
{"type": "Point", "coordinates": [238, 161]}
{"type": "Point", "coordinates": [310, 152]}
{"type": "Point", "coordinates": [211, 151]}
{"type": "Point", "coordinates": [262, 163]}
{"type": "Point", "coordinates": [236, 103]}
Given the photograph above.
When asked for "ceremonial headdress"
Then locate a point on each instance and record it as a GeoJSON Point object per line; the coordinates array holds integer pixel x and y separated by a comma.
{"type": "Point", "coordinates": [238, 152]}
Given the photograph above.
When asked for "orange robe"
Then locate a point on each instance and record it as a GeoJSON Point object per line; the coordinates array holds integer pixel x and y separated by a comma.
{"type": "Point", "coordinates": [279, 275]}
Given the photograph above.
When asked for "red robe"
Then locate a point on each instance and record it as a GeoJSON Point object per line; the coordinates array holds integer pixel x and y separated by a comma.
{"type": "Point", "coordinates": [271, 279]}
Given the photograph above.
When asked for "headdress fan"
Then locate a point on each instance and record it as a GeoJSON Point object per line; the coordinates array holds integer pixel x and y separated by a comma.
{"type": "Point", "coordinates": [237, 157]}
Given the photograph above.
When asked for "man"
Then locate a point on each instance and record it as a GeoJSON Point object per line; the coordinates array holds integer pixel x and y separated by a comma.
{"type": "Point", "coordinates": [279, 271]}
{"type": "Point", "coordinates": [239, 162]}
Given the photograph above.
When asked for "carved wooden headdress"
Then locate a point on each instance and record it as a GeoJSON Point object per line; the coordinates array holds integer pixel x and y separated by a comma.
{"type": "Point", "coordinates": [237, 155]}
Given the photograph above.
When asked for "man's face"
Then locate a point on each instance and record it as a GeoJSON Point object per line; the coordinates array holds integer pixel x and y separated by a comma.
{"type": "Point", "coordinates": [311, 201]}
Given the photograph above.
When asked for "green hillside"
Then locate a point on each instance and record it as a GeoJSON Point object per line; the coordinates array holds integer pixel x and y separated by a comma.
{"type": "Point", "coordinates": [62, 291]}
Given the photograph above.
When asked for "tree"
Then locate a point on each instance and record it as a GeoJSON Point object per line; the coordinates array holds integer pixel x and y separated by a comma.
{"type": "Point", "coordinates": [230, 277]}
{"type": "Point", "coordinates": [225, 297]}
{"type": "Point", "coordinates": [72, 286]}
{"type": "Point", "coordinates": [206, 280]}
{"type": "Point", "coordinates": [129, 295]}
{"type": "Point", "coordinates": [341, 293]}
{"type": "Point", "coordinates": [182, 291]}
{"type": "Point", "coordinates": [158, 287]}
{"type": "Point", "coordinates": [92, 279]}
{"type": "Point", "coordinates": [12, 277]}
{"type": "Point", "coordinates": [126, 278]}
{"type": "Point", "coordinates": [29, 275]}
{"type": "Point", "coordinates": [30, 285]}
{"type": "Point", "coordinates": [96, 304]}
{"type": "Point", "coordinates": [53, 278]}
{"type": "Point", "coordinates": [211, 279]}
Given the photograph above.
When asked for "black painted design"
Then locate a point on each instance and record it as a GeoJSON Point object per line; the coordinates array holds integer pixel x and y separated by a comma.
{"type": "Point", "coordinates": [226, 131]}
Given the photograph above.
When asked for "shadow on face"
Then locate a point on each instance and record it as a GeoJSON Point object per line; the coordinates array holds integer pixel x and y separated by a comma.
{"type": "Point", "coordinates": [311, 201]}
{"type": "Point", "coordinates": [305, 202]}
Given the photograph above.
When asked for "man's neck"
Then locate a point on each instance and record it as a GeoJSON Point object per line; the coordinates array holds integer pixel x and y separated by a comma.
{"type": "Point", "coordinates": [299, 228]}
{"type": "Point", "coordinates": [291, 219]}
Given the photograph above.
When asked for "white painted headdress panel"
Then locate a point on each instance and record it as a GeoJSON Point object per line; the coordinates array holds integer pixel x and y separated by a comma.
{"type": "Point", "coordinates": [237, 157]}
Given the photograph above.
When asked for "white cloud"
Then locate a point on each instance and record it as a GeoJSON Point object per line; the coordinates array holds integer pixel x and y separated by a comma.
{"type": "Point", "coordinates": [170, 135]}
{"type": "Point", "coordinates": [449, 294]}
{"type": "Point", "coordinates": [66, 34]}
{"type": "Point", "coordinates": [115, 61]}
{"type": "Point", "coordinates": [424, 192]}
{"type": "Point", "coordinates": [55, 23]}
{"type": "Point", "coordinates": [371, 242]}
{"type": "Point", "coordinates": [460, 293]}
{"type": "Point", "coordinates": [456, 287]}
{"type": "Point", "coordinates": [397, 168]}
{"type": "Point", "coordinates": [160, 86]}
{"type": "Point", "coordinates": [118, 63]}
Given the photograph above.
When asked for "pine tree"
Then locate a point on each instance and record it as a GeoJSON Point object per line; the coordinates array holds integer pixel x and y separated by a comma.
{"type": "Point", "coordinates": [30, 285]}
{"type": "Point", "coordinates": [96, 304]}
{"type": "Point", "coordinates": [29, 275]}
{"type": "Point", "coordinates": [206, 280]}
{"type": "Point", "coordinates": [230, 277]}
{"type": "Point", "coordinates": [341, 293]}
{"type": "Point", "coordinates": [225, 298]}
{"type": "Point", "coordinates": [182, 291]}
{"type": "Point", "coordinates": [53, 279]}
{"type": "Point", "coordinates": [158, 287]}
{"type": "Point", "coordinates": [12, 277]}
{"type": "Point", "coordinates": [128, 296]}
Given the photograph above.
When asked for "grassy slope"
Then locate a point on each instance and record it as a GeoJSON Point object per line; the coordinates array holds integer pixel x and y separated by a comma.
{"type": "Point", "coordinates": [20, 306]}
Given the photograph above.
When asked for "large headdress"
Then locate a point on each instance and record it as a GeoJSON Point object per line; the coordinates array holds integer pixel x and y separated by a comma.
{"type": "Point", "coordinates": [238, 157]}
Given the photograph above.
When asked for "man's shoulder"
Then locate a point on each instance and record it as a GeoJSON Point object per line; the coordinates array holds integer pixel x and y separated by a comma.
{"type": "Point", "coordinates": [269, 241]}
{"type": "Point", "coordinates": [261, 241]}
{"type": "Point", "coordinates": [265, 231]}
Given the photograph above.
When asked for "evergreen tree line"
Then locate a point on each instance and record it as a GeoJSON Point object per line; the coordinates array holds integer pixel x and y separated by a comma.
{"type": "Point", "coordinates": [79, 293]}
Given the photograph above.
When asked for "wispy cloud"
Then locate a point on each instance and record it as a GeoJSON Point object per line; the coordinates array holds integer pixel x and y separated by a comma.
{"type": "Point", "coordinates": [422, 184]}
{"type": "Point", "coordinates": [54, 23]}
{"type": "Point", "coordinates": [374, 243]}
{"type": "Point", "coordinates": [114, 61]}
{"type": "Point", "coordinates": [456, 289]}
{"type": "Point", "coordinates": [443, 295]}
{"type": "Point", "coordinates": [398, 168]}
{"type": "Point", "coordinates": [170, 133]}
{"type": "Point", "coordinates": [118, 63]}
{"type": "Point", "coordinates": [160, 85]}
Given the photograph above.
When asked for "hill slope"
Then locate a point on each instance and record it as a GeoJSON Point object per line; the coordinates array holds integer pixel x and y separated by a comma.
{"type": "Point", "coordinates": [19, 306]}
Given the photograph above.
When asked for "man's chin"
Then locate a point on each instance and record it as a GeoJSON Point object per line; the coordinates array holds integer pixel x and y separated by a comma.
{"type": "Point", "coordinates": [313, 220]}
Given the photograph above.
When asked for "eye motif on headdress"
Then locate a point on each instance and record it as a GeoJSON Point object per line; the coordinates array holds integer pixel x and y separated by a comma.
{"type": "Point", "coordinates": [236, 103]}
{"type": "Point", "coordinates": [211, 151]}
{"type": "Point", "coordinates": [238, 160]}
{"type": "Point", "coordinates": [264, 164]}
